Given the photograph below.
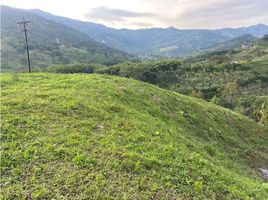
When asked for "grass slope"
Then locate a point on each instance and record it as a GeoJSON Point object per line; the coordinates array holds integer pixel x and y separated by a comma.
{"type": "Point", "coordinates": [104, 137]}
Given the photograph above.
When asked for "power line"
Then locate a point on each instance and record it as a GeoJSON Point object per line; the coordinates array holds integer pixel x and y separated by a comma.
{"type": "Point", "coordinates": [25, 24]}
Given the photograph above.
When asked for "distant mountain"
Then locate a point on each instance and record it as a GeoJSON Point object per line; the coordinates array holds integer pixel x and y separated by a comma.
{"type": "Point", "coordinates": [258, 30]}
{"type": "Point", "coordinates": [60, 40]}
{"type": "Point", "coordinates": [238, 42]}
{"type": "Point", "coordinates": [170, 42]}
{"type": "Point", "coordinates": [49, 43]}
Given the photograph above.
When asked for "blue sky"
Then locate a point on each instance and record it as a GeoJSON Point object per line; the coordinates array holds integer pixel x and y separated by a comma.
{"type": "Point", "coordinates": [185, 14]}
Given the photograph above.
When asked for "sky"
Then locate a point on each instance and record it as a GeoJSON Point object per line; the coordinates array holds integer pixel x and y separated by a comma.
{"type": "Point", "coordinates": [135, 14]}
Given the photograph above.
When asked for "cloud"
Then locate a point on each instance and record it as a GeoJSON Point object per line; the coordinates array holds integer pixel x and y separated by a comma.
{"type": "Point", "coordinates": [184, 14]}
{"type": "Point", "coordinates": [227, 9]}
{"type": "Point", "coordinates": [141, 24]}
{"type": "Point", "coordinates": [216, 14]}
{"type": "Point", "coordinates": [115, 15]}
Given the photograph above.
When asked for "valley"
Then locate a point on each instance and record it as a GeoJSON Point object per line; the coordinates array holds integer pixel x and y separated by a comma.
{"type": "Point", "coordinates": [149, 113]}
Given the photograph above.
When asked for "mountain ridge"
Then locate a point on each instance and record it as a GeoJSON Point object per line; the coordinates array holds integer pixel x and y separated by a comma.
{"type": "Point", "coordinates": [49, 42]}
{"type": "Point", "coordinates": [106, 45]}
{"type": "Point", "coordinates": [44, 13]}
{"type": "Point", "coordinates": [161, 42]}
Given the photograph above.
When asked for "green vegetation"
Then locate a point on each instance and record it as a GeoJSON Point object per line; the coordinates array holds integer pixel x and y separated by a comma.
{"type": "Point", "coordinates": [235, 79]}
{"type": "Point", "coordinates": [105, 137]}
{"type": "Point", "coordinates": [237, 42]}
{"type": "Point", "coordinates": [100, 134]}
{"type": "Point", "coordinates": [237, 86]}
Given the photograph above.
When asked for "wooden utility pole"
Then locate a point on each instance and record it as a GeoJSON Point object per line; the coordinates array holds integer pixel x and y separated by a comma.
{"type": "Point", "coordinates": [24, 29]}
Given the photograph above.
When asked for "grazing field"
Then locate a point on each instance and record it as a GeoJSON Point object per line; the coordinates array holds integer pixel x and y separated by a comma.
{"type": "Point", "coordinates": [105, 137]}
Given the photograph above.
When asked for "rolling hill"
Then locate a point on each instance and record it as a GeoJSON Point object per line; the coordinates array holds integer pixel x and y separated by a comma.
{"type": "Point", "coordinates": [157, 42]}
{"type": "Point", "coordinates": [246, 50]}
{"type": "Point", "coordinates": [234, 78]}
{"type": "Point", "coordinates": [50, 43]}
{"type": "Point", "coordinates": [244, 40]}
{"type": "Point", "coordinates": [105, 137]}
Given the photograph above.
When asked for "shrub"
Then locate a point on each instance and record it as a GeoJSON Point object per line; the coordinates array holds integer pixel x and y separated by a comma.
{"type": "Point", "coordinates": [197, 94]}
{"type": "Point", "coordinates": [166, 65]}
{"type": "Point", "coordinates": [262, 114]}
{"type": "Point", "coordinates": [73, 68]}
{"type": "Point", "coordinates": [215, 100]}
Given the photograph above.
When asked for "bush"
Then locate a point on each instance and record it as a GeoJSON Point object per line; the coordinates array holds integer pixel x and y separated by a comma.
{"type": "Point", "coordinates": [166, 65]}
{"type": "Point", "coordinates": [197, 94]}
{"type": "Point", "coordinates": [113, 70]}
{"type": "Point", "coordinates": [215, 100]}
{"type": "Point", "coordinates": [262, 114]}
{"type": "Point", "coordinates": [73, 68]}
{"type": "Point", "coordinates": [265, 37]}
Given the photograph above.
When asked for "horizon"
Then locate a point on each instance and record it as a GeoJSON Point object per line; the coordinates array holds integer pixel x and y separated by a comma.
{"type": "Point", "coordinates": [258, 24]}
{"type": "Point", "coordinates": [191, 15]}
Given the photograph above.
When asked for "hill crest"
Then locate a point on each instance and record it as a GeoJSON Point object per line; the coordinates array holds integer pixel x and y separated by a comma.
{"type": "Point", "coordinates": [105, 136]}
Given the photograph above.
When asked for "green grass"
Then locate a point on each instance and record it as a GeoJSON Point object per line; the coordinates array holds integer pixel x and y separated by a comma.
{"type": "Point", "coordinates": [256, 57]}
{"type": "Point", "coordinates": [104, 137]}
{"type": "Point", "coordinates": [259, 64]}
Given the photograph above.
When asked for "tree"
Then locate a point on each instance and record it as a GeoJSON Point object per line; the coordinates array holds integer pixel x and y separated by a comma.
{"type": "Point", "coordinates": [265, 37]}
{"type": "Point", "coordinates": [197, 94]}
{"type": "Point", "coordinates": [262, 114]}
{"type": "Point", "coordinates": [166, 65]}
{"type": "Point", "coordinates": [229, 91]}
{"type": "Point", "coordinates": [218, 59]}
{"type": "Point", "coordinates": [215, 100]}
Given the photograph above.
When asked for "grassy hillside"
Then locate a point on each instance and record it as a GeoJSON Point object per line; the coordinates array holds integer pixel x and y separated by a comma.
{"type": "Point", "coordinates": [105, 137]}
{"type": "Point", "coordinates": [234, 43]}
{"type": "Point", "coordinates": [256, 56]}
{"type": "Point", "coordinates": [235, 78]}
{"type": "Point", "coordinates": [253, 53]}
{"type": "Point", "coordinates": [49, 43]}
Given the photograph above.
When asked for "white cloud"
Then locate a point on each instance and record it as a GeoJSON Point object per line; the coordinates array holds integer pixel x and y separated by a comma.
{"type": "Point", "coordinates": [160, 13]}
{"type": "Point", "coordinates": [111, 14]}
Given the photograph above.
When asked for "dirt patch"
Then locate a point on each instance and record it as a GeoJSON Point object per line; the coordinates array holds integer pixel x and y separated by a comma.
{"type": "Point", "coordinates": [264, 172]}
